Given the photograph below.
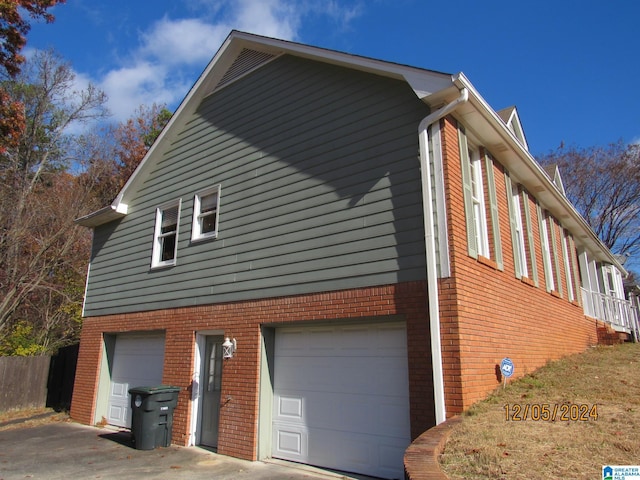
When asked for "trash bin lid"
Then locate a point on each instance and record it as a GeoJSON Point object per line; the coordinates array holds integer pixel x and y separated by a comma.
{"type": "Point", "coordinates": [154, 389]}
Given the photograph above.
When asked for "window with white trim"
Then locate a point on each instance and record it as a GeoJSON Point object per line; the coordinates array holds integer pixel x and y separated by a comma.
{"type": "Point", "coordinates": [479, 209]}
{"type": "Point", "coordinates": [165, 241]}
{"type": "Point", "coordinates": [555, 255]}
{"type": "Point", "coordinates": [522, 238]}
{"type": "Point", "coordinates": [546, 252]}
{"type": "Point", "coordinates": [568, 265]}
{"type": "Point", "coordinates": [205, 214]}
{"type": "Point", "coordinates": [480, 201]}
{"type": "Point", "coordinates": [519, 243]}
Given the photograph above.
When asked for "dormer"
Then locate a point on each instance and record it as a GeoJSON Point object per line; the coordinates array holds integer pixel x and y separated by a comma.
{"type": "Point", "coordinates": [554, 174]}
{"type": "Point", "coordinates": [510, 117]}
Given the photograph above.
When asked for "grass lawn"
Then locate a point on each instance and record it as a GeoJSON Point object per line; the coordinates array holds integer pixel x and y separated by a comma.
{"type": "Point", "coordinates": [582, 413]}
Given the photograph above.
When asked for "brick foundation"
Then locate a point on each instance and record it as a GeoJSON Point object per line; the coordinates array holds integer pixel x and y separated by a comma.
{"type": "Point", "coordinates": [238, 429]}
{"type": "Point", "coordinates": [608, 336]}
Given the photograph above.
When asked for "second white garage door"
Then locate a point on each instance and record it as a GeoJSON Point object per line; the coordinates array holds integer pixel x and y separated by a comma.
{"type": "Point", "coordinates": [341, 397]}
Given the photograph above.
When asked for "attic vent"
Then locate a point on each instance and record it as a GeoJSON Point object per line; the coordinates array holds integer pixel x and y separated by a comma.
{"type": "Point", "coordinates": [246, 61]}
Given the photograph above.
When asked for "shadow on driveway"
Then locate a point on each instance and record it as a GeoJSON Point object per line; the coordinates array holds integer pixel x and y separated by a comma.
{"type": "Point", "coordinates": [71, 451]}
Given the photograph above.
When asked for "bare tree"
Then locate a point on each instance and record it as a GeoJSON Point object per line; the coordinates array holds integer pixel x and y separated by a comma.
{"type": "Point", "coordinates": [604, 185]}
{"type": "Point", "coordinates": [116, 151]}
{"type": "Point", "coordinates": [38, 198]}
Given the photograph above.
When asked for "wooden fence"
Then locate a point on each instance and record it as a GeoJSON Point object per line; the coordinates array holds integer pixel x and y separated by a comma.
{"type": "Point", "coordinates": [23, 382]}
{"type": "Point", "coordinates": [36, 382]}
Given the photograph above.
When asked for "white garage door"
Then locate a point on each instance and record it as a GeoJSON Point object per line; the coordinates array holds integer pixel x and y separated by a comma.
{"type": "Point", "coordinates": [137, 362]}
{"type": "Point", "coordinates": [341, 397]}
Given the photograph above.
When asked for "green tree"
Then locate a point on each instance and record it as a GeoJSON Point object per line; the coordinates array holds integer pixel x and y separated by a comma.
{"type": "Point", "coordinates": [20, 341]}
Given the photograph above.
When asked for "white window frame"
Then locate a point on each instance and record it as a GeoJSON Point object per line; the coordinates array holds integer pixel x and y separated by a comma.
{"type": "Point", "coordinates": [520, 243]}
{"type": "Point", "coordinates": [556, 255]}
{"type": "Point", "coordinates": [477, 199]}
{"type": "Point", "coordinates": [197, 233]}
{"type": "Point", "coordinates": [159, 236]}
{"type": "Point", "coordinates": [546, 253]}
{"type": "Point", "coordinates": [567, 265]}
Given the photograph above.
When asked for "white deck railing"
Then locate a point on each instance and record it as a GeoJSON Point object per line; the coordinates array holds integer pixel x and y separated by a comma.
{"type": "Point", "coordinates": [616, 311]}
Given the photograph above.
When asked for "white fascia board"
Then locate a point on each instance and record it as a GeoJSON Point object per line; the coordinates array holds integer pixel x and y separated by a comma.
{"type": "Point", "coordinates": [484, 123]}
{"type": "Point", "coordinates": [104, 215]}
{"type": "Point", "coordinates": [424, 82]}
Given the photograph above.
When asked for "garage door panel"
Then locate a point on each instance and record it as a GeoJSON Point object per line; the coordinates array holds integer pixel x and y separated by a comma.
{"type": "Point", "coordinates": [392, 418]}
{"type": "Point", "coordinates": [290, 441]}
{"type": "Point", "coordinates": [387, 456]}
{"type": "Point", "coordinates": [379, 416]}
{"type": "Point", "coordinates": [353, 452]}
{"type": "Point", "coordinates": [388, 375]}
{"type": "Point", "coordinates": [291, 407]}
{"type": "Point", "coordinates": [357, 375]}
{"type": "Point", "coordinates": [392, 338]}
{"type": "Point", "coordinates": [341, 397]}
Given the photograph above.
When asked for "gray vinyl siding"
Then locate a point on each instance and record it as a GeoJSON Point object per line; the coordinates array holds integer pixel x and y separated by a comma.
{"type": "Point", "coordinates": [320, 190]}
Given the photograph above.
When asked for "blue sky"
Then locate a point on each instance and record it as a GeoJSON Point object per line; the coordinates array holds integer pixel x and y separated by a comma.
{"type": "Point", "coordinates": [571, 67]}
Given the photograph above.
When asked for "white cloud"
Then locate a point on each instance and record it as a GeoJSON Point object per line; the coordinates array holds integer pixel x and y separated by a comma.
{"type": "Point", "coordinates": [272, 18]}
{"type": "Point", "coordinates": [142, 84]}
{"type": "Point", "coordinates": [172, 52]}
{"type": "Point", "coordinates": [185, 41]}
{"type": "Point", "coordinates": [338, 11]}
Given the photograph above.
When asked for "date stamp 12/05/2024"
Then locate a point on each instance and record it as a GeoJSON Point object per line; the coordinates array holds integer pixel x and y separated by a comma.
{"type": "Point", "coordinates": [545, 412]}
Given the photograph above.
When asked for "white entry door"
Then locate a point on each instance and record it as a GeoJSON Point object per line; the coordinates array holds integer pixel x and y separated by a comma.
{"type": "Point", "coordinates": [341, 397]}
{"type": "Point", "coordinates": [137, 362]}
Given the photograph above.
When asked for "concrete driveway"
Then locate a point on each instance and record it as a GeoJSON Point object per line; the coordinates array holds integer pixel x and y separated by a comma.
{"type": "Point", "coordinates": [71, 451]}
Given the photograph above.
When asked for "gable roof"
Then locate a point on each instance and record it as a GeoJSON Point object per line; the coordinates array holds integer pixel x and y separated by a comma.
{"type": "Point", "coordinates": [242, 53]}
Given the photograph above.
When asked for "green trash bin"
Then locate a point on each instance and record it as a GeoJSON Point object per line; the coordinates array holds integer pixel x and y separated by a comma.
{"type": "Point", "coordinates": [152, 415]}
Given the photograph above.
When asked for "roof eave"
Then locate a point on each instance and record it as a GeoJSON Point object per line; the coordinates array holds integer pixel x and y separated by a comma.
{"type": "Point", "coordinates": [424, 82]}
{"type": "Point", "coordinates": [485, 123]}
{"type": "Point", "coordinates": [102, 216]}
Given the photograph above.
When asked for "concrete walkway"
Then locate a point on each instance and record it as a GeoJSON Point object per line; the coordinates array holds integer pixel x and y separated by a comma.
{"type": "Point", "coordinates": [70, 451]}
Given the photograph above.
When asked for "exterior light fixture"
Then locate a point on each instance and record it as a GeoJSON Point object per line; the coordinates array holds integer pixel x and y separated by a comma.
{"type": "Point", "coordinates": [228, 348]}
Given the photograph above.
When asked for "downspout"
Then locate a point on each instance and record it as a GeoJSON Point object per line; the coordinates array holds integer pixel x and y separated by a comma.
{"type": "Point", "coordinates": [430, 250]}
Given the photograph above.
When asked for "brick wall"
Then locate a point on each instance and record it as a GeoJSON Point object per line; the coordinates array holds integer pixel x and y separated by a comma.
{"type": "Point", "coordinates": [488, 314]}
{"type": "Point", "coordinates": [239, 418]}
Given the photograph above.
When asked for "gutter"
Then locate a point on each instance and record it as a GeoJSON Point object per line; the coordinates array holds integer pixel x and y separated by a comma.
{"type": "Point", "coordinates": [104, 215]}
{"type": "Point", "coordinates": [551, 197]}
{"type": "Point", "coordinates": [430, 250]}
